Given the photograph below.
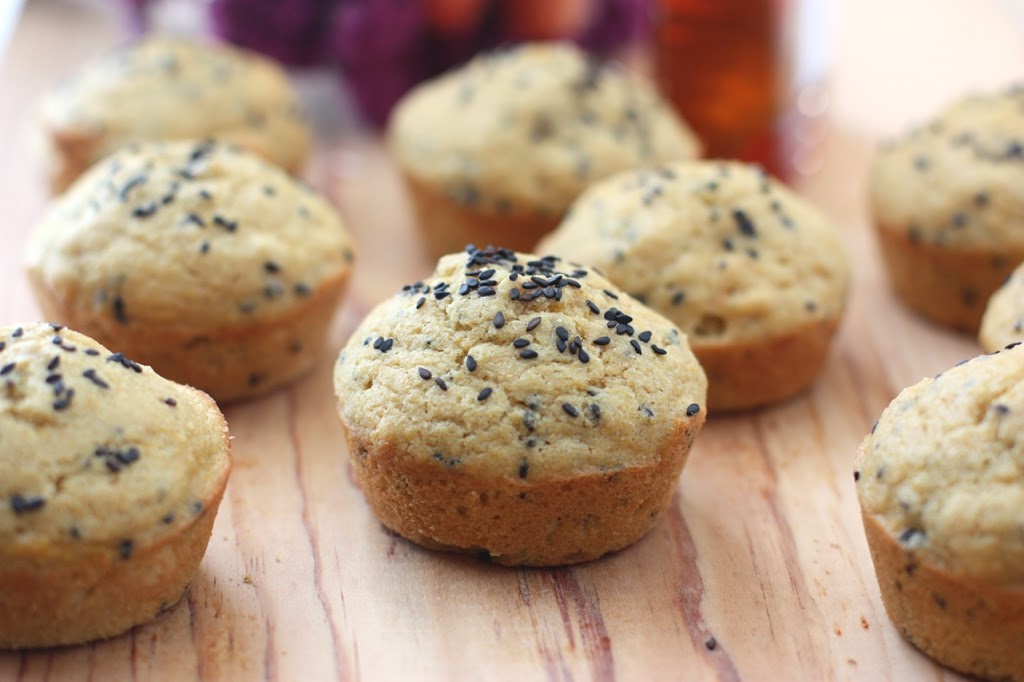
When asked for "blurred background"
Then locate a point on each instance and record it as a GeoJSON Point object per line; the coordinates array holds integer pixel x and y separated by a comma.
{"type": "Point", "coordinates": [755, 78]}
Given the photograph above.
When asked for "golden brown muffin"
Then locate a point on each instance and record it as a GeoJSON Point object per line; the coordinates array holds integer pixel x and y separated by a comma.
{"type": "Point", "coordinates": [170, 89]}
{"type": "Point", "coordinates": [941, 487]}
{"type": "Point", "coordinates": [204, 261]}
{"type": "Point", "coordinates": [494, 152]}
{"type": "Point", "coordinates": [111, 480]}
{"type": "Point", "coordinates": [753, 275]}
{"type": "Point", "coordinates": [1003, 322]}
{"type": "Point", "coordinates": [513, 407]}
{"type": "Point", "coordinates": [948, 207]}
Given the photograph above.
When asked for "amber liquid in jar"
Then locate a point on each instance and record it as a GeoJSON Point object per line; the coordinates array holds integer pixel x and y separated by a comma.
{"type": "Point", "coordinates": [720, 64]}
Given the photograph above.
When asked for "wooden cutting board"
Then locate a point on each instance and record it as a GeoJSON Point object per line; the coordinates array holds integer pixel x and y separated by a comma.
{"type": "Point", "coordinates": [760, 570]}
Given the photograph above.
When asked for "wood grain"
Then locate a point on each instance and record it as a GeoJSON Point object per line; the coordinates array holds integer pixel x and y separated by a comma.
{"type": "Point", "coordinates": [762, 549]}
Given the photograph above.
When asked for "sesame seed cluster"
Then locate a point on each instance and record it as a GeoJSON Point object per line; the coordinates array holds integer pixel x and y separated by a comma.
{"type": "Point", "coordinates": [518, 367]}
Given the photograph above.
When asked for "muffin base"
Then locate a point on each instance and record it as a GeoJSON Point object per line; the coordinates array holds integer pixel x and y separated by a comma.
{"type": "Point", "coordinates": [969, 626]}
{"type": "Point", "coordinates": [756, 373]}
{"type": "Point", "coordinates": [949, 286]}
{"type": "Point", "coordinates": [447, 226]}
{"type": "Point", "coordinates": [514, 522]}
{"type": "Point", "coordinates": [228, 363]}
{"type": "Point", "coordinates": [55, 601]}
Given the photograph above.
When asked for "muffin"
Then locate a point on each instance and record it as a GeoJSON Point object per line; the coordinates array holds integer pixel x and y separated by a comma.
{"type": "Point", "coordinates": [941, 488]}
{"type": "Point", "coordinates": [170, 89]}
{"type": "Point", "coordinates": [199, 259]}
{"type": "Point", "coordinates": [111, 480]}
{"type": "Point", "coordinates": [494, 152]}
{"type": "Point", "coordinates": [753, 275]}
{"type": "Point", "coordinates": [519, 409]}
{"type": "Point", "coordinates": [948, 209]}
{"type": "Point", "coordinates": [1003, 322]}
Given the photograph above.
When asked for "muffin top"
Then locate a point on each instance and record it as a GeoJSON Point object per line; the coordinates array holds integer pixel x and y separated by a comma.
{"type": "Point", "coordinates": [1003, 322]}
{"type": "Point", "coordinates": [99, 454]}
{"type": "Point", "coordinates": [721, 249]}
{"type": "Point", "coordinates": [188, 235]}
{"type": "Point", "coordinates": [513, 367]}
{"type": "Point", "coordinates": [958, 181]}
{"type": "Point", "coordinates": [165, 88]}
{"type": "Point", "coordinates": [526, 129]}
{"type": "Point", "coordinates": [943, 469]}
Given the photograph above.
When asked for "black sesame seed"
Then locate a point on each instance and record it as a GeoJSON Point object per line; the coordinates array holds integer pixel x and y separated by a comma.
{"type": "Point", "coordinates": [744, 223]}
{"type": "Point", "coordinates": [204, 247]}
{"type": "Point", "coordinates": [486, 291]}
{"type": "Point", "coordinates": [611, 294]}
{"type": "Point", "coordinates": [419, 303]}
{"type": "Point", "coordinates": [21, 504]}
{"type": "Point", "coordinates": [128, 456]}
{"type": "Point", "coordinates": [52, 365]}
{"type": "Point", "coordinates": [54, 378]}
{"type": "Point", "coordinates": [378, 342]}
{"type": "Point", "coordinates": [302, 290]}
{"type": "Point", "coordinates": [144, 210]}
{"type": "Point", "coordinates": [909, 534]}
{"type": "Point", "coordinates": [130, 185]}
{"type": "Point", "coordinates": [439, 295]}
{"type": "Point", "coordinates": [17, 332]}
{"type": "Point", "coordinates": [524, 469]}
{"type": "Point", "coordinates": [602, 341]}
{"type": "Point", "coordinates": [521, 343]}
{"type": "Point", "coordinates": [487, 274]}
{"type": "Point", "coordinates": [644, 336]}
{"type": "Point", "coordinates": [271, 267]}
{"type": "Point", "coordinates": [856, 476]}
{"type": "Point", "coordinates": [636, 346]}
{"type": "Point", "coordinates": [484, 394]}
{"type": "Point", "coordinates": [91, 375]}
{"type": "Point", "coordinates": [499, 320]}
{"type": "Point", "coordinates": [560, 344]}
{"type": "Point", "coordinates": [562, 333]}
{"type": "Point", "coordinates": [91, 351]}
{"type": "Point", "coordinates": [532, 324]}
{"type": "Point", "coordinates": [168, 518]}
{"type": "Point", "coordinates": [692, 409]}
{"type": "Point", "coordinates": [221, 221]}
{"type": "Point", "coordinates": [64, 401]}
{"type": "Point", "coordinates": [593, 307]}
{"type": "Point", "coordinates": [424, 373]}
{"type": "Point", "coordinates": [570, 410]}
{"type": "Point", "coordinates": [440, 383]}
{"type": "Point", "coordinates": [658, 350]}
{"type": "Point", "coordinates": [126, 548]}
{"type": "Point", "coordinates": [528, 354]}
{"type": "Point", "coordinates": [711, 643]}
{"type": "Point", "coordinates": [584, 356]}
{"type": "Point", "coordinates": [513, 294]}
{"type": "Point", "coordinates": [171, 402]}
{"type": "Point", "coordinates": [125, 362]}
{"type": "Point", "coordinates": [470, 363]}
